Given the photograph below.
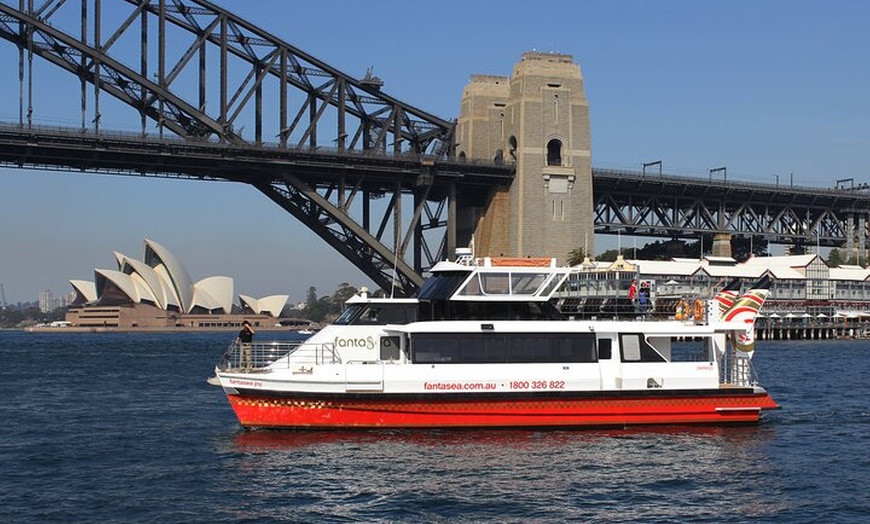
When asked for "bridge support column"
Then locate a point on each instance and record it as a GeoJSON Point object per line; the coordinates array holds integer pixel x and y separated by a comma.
{"type": "Point", "coordinates": [721, 245]}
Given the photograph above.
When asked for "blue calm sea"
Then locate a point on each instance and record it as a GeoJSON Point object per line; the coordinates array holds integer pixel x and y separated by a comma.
{"type": "Point", "coordinates": [124, 428]}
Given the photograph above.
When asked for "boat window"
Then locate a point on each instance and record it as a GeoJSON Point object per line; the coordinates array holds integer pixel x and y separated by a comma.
{"type": "Point", "coordinates": [507, 283]}
{"type": "Point", "coordinates": [495, 284]}
{"type": "Point", "coordinates": [375, 314]}
{"type": "Point", "coordinates": [370, 315]}
{"type": "Point", "coordinates": [441, 286]}
{"type": "Point", "coordinates": [433, 349]}
{"type": "Point", "coordinates": [526, 283]}
{"type": "Point", "coordinates": [482, 349]}
{"type": "Point", "coordinates": [662, 345]}
{"type": "Point", "coordinates": [503, 347]}
{"type": "Point", "coordinates": [529, 349]}
{"type": "Point", "coordinates": [389, 348]}
{"type": "Point", "coordinates": [636, 349]}
{"type": "Point", "coordinates": [349, 314]}
{"type": "Point", "coordinates": [554, 282]}
{"type": "Point", "coordinates": [605, 349]}
{"type": "Point", "coordinates": [492, 310]}
{"type": "Point", "coordinates": [630, 348]}
{"type": "Point", "coordinates": [692, 351]}
{"type": "Point", "coordinates": [472, 288]}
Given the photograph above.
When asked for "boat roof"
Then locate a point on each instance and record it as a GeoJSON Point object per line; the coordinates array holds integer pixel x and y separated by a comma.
{"type": "Point", "coordinates": [500, 279]}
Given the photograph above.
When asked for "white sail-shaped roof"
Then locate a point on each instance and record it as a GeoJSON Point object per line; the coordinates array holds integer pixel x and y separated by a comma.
{"type": "Point", "coordinates": [272, 305]}
{"type": "Point", "coordinates": [158, 256]}
{"type": "Point", "coordinates": [202, 299]}
{"type": "Point", "coordinates": [86, 291]}
{"type": "Point", "coordinates": [249, 302]}
{"type": "Point", "coordinates": [119, 258]}
{"type": "Point", "coordinates": [144, 290]}
{"type": "Point", "coordinates": [110, 282]}
{"type": "Point", "coordinates": [156, 286]}
{"type": "Point", "coordinates": [168, 289]}
{"type": "Point", "coordinates": [218, 289]}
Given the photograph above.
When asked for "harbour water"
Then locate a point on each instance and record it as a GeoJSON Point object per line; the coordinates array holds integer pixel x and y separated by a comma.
{"type": "Point", "coordinates": [123, 428]}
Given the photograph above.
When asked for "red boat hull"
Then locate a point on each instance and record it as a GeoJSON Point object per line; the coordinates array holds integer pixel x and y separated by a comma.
{"type": "Point", "coordinates": [416, 412]}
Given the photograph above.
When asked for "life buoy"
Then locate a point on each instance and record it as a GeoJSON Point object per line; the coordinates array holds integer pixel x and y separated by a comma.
{"type": "Point", "coordinates": [682, 311]}
{"type": "Point", "coordinates": [698, 310]}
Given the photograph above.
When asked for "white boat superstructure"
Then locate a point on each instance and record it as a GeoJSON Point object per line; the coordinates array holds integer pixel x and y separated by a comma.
{"type": "Point", "coordinates": [482, 345]}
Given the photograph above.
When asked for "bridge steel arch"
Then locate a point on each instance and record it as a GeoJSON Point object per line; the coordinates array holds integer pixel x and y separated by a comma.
{"type": "Point", "coordinates": [243, 67]}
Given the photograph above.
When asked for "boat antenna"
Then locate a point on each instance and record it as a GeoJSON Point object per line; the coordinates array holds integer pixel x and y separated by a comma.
{"type": "Point", "coordinates": [395, 264]}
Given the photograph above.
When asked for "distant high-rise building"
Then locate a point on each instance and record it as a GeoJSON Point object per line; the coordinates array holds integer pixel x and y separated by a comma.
{"type": "Point", "coordinates": [46, 301]}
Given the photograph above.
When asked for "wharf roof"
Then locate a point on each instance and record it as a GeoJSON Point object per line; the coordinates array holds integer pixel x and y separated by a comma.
{"type": "Point", "coordinates": [684, 267]}
{"type": "Point", "coordinates": [783, 260]}
{"type": "Point", "coordinates": [854, 273]}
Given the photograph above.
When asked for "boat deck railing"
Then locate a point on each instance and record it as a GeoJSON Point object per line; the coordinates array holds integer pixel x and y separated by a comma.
{"type": "Point", "coordinates": [260, 355]}
{"type": "Point", "coordinates": [737, 370]}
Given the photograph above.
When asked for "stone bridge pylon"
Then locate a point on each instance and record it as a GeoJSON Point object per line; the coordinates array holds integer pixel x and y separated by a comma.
{"type": "Point", "coordinates": [537, 119]}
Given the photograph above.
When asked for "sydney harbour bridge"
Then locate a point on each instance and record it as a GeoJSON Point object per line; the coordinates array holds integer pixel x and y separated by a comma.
{"type": "Point", "coordinates": [218, 98]}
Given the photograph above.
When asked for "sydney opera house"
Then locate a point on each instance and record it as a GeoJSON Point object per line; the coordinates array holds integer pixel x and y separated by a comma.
{"type": "Point", "coordinates": [157, 292]}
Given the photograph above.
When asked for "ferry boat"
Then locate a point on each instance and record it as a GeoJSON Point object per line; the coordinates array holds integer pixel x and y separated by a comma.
{"type": "Point", "coordinates": [482, 345]}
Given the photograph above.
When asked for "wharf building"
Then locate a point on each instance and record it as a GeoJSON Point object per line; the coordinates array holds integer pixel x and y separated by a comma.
{"type": "Point", "coordinates": [157, 292]}
{"type": "Point", "coordinates": [807, 299]}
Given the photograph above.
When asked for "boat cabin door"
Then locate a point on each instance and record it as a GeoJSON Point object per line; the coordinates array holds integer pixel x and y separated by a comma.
{"type": "Point", "coordinates": [609, 364]}
{"type": "Point", "coordinates": [368, 375]}
{"type": "Point", "coordinates": [364, 375]}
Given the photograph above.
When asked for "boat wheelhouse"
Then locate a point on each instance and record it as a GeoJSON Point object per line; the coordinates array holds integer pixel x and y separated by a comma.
{"type": "Point", "coordinates": [482, 345]}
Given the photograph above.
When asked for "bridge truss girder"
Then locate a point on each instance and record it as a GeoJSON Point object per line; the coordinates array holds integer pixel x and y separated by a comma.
{"type": "Point", "coordinates": [242, 66]}
{"type": "Point", "coordinates": [673, 207]}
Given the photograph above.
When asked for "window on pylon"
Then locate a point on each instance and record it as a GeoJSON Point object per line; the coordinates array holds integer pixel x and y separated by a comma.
{"type": "Point", "coordinates": [554, 152]}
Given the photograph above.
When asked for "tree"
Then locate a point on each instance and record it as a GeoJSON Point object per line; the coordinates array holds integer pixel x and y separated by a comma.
{"type": "Point", "coordinates": [311, 297]}
{"type": "Point", "coordinates": [835, 258]}
{"type": "Point", "coordinates": [16, 317]}
{"type": "Point", "coordinates": [743, 247]}
{"type": "Point", "coordinates": [318, 310]}
{"type": "Point", "coordinates": [576, 257]}
{"type": "Point", "coordinates": [610, 255]}
{"type": "Point", "coordinates": [327, 308]}
{"type": "Point", "coordinates": [344, 292]}
{"type": "Point", "coordinates": [659, 250]}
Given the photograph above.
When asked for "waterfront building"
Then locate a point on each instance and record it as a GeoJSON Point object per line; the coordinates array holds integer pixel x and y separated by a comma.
{"type": "Point", "coordinates": [803, 287]}
{"type": "Point", "coordinates": [157, 292]}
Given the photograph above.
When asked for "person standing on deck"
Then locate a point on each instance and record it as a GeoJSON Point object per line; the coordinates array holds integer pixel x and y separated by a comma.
{"type": "Point", "coordinates": [245, 338]}
{"type": "Point", "coordinates": [632, 294]}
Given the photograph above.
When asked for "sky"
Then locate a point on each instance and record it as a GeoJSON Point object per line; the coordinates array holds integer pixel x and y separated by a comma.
{"type": "Point", "coordinates": [767, 89]}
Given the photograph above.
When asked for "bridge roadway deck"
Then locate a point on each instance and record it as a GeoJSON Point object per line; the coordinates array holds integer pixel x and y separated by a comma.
{"type": "Point", "coordinates": [61, 149]}
{"type": "Point", "coordinates": [635, 182]}
{"type": "Point", "coordinates": [625, 201]}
